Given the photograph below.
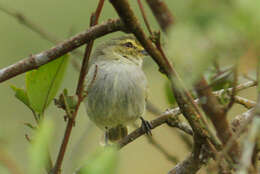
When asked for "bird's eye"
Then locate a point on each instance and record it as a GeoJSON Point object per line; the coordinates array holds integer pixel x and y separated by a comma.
{"type": "Point", "coordinates": [129, 44]}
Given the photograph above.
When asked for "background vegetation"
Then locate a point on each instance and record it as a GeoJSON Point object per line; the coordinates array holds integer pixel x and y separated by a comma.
{"type": "Point", "coordinates": [64, 18]}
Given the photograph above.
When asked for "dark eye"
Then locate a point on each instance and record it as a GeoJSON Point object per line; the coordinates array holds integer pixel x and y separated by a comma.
{"type": "Point", "coordinates": [129, 44]}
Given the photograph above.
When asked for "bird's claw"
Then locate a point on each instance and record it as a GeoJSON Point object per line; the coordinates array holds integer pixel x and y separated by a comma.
{"type": "Point", "coordinates": [146, 126]}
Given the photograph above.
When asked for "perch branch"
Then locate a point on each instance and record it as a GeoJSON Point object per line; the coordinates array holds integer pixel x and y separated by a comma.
{"type": "Point", "coordinates": [37, 60]}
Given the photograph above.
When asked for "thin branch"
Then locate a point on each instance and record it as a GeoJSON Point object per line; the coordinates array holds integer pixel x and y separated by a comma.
{"type": "Point", "coordinates": [144, 16]}
{"type": "Point", "coordinates": [182, 126]}
{"type": "Point", "coordinates": [37, 60]}
{"type": "Point", "coordinates": [245, 102]}
{"type": "Point", "coordinates": [240, 121]}
{"type": "Point", "coordinates": [162, 13]}
{"type": "Point", "coordinates": [79, 91]}
{"type": "Point", "coordinates": [233, 94]}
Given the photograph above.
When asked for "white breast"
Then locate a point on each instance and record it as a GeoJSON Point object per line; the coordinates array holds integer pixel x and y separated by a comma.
{"type": "Point", "coordinates": [117, 93]}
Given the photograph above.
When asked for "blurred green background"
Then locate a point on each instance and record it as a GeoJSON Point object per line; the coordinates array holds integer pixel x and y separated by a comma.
{"type": "Point", "coordinates": [64, 18]}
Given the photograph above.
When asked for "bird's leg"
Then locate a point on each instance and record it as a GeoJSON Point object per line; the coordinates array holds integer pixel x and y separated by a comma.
{"type": "Point", "coordinates": [146, 126]}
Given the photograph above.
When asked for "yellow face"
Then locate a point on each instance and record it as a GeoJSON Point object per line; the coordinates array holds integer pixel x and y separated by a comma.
{"type": "Point", "coordinates": [130, 48]}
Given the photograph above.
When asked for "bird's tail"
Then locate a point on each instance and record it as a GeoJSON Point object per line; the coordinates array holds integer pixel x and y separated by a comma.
{"type": "Point", "coordinates": [116, 133]}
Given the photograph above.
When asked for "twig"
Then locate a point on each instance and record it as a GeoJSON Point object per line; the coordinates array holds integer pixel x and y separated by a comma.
{"type": "Point", "coordinates": [37, 60]}
{"type": "Point", "coordinates": [182, 126]}
{"type": "Point", "coordinates": [162, 13]}
{"type": "Point", "coordinates": [239, 88]}
{"type": "Point", "coordinates": [233, 94]}
{"type": "Point", "coordinates": [144, 17]}
{"type": "Point", "coordinates": [245, 102]}
{"type": "Point", "coordinates": [240, 121]}
{"type": "Point", "coordinates": [79, 92]}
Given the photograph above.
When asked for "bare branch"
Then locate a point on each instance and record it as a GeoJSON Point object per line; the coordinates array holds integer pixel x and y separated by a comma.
{"type": "Point", "coordinates": [245, 102]}
{"type": "Point", "coordinates": [144, 16]}
{"type": "Point", "coordinates": [37, 60]}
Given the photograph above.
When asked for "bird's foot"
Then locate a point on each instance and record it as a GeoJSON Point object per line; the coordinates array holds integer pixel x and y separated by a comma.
{"type": "Point", "coordinates": [146, 126]}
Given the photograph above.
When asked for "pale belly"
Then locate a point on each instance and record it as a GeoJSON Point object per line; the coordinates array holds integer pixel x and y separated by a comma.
{"type": "Point", "coordinates": [116, 95]}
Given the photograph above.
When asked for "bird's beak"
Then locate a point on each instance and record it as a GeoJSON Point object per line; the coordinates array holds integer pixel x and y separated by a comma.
{"type": "Point", "coordinates": [144, 52]}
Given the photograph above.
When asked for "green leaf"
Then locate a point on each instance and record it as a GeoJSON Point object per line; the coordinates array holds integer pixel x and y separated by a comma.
{"type": "Point", "coordinates": [39, 149]}
{"type": "Point", "coordinates": [21, 95]}
{"type": "Point", "coordinates": [104, 161]}
{"type": "Point", "coordinates": [42, 84]}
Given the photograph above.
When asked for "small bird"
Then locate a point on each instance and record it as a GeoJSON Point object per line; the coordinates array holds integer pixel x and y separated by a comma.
{"type": "Point", "coordinates": [116, 87]}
